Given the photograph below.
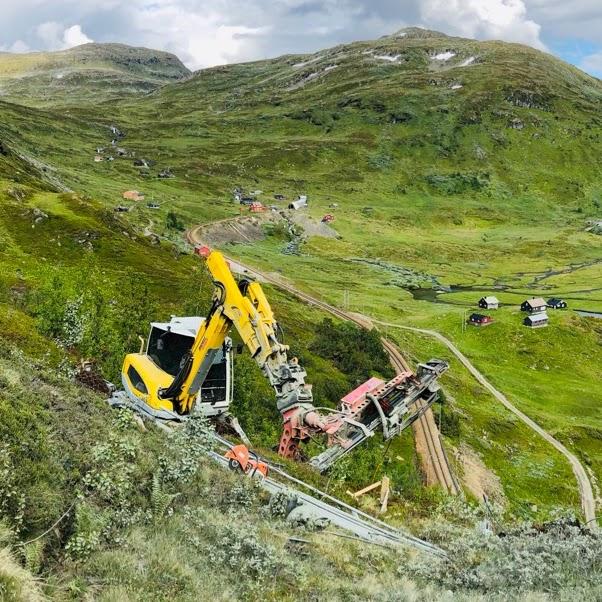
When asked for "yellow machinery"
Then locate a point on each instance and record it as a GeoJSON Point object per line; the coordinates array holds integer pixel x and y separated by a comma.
{"type": "Point", "coordinates": [176, 375]}
{"type": "Point", "coordinates": [153, 390]}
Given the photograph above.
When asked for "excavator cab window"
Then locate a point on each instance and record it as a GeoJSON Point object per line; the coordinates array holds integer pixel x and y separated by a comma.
{"type": "Point", "coordinates": [214, 385]}
{"type": "Point", "coordinates": [167, 349]}
{"type": "Point", "coordinates": [136, 380]}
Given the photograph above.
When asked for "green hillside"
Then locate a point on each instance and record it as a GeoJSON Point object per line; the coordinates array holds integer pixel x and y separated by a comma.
{"type": "Point", "coordinates": [89, 73]}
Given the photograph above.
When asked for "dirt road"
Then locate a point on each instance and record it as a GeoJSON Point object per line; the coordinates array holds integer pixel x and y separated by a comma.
{"type": "Point", "coordinates": [585, 488]}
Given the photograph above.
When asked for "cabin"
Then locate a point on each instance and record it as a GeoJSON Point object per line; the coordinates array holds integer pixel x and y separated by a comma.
{"type": "Point", "coordinates": [535, 305]}
{"type": "Point", "coordinates": [153, 205]}
{"type": "Point", "coordinates": [121, 152]}
{"type": "Point", "coordinates": [141, 163]}
{"type": "Point", "coordinates": [166, 173]}
{"type": "Point", "coordinates": [257, 207]}
{"type": "Point", "coordinates": [279, 197]}
{"type": "Point", "coordinates": [536, 320]}
{"type": "Point", "coordinates": [489, 302]}
{"type": "Point", "coordinates": [121, 209]}
{"type": "Point", "coordinates": [556, 303]}
{"type": "Point", "coordinates": [480, 320]}
{"type": "Point", "coordinates": [133, 195]}
{"type": "Point", "coordinates": [328, 218]}
{"type": "Point", "coordinates": [98, 159]}
{"type": "Point", "coordinates": [246, 200]}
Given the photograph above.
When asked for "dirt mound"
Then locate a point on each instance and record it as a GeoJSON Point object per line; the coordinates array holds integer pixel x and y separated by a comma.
{"type": "Point", "coordinates": [313, 227]}
{"type": "Point", "coordinates": [477, 478]}
{"type": "Point", "coordinates": [243, 230]}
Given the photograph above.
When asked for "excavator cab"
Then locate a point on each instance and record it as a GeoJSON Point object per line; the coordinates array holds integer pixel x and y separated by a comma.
{"type": "Point", "coordinates": [154, 368]}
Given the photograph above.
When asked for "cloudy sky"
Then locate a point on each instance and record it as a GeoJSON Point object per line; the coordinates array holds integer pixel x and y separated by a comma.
{"type": "Point", "coordinates": [211, 32]}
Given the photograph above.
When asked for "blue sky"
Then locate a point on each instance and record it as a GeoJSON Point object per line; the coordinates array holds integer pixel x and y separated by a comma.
{"type": "Point", "coordinates": [210, 32]}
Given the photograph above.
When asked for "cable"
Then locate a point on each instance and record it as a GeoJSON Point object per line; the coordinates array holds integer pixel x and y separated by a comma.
{"type": "Point", "coordinates": [25, 543]}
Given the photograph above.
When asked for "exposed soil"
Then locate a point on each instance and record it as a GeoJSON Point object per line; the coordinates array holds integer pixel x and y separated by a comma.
{"type": "Point", "coordinates": [477, 478]}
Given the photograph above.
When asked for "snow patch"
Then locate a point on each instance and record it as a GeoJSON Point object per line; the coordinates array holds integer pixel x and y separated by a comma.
{"type": "Point", "coordinates": [469, 61]}
{"type": "Point", "coordinates": [308, 62]}
{"type": "Point", "coordinates": [387, 57]}
{"type": "Point", "coordinates": [444, 56]}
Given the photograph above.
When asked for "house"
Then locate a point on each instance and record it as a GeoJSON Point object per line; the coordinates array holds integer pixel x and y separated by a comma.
{"type": "Point", "coordinates": [121, 209]}
{"type": "Point", "coordinates": [133, 195]}
{"type": "Point", "coordinates": [489, 302]}
{"type": "Point", "coordinates": [121, 152]}
{"type": "Point", "coordinates": [279, 197]}
{"type": "Point", "coordinates": [328, 218]}
{"type": "Point", "coordinates": [257, 207]}
{"type": "Point", "coordinates": [538, 320]}
{"type": "Point", "coordinates": [535, 305]}
{"type": "Point", "coordinates": [166, 173]}
{"type": "Point", "coordinates": [555, 303]}
{"type": "Point", "coordinates": [153, 205]}
{"type": "Point", "coordinates": [98, 158]}
{"type": "Point", "coordinates": [246, 200]}
{"type": "Point", "coordinates": [141, 163]}
{"type": "Point", "coordinates": [100, 150]}
{"type": "Point", "coordinates": [480, 320]}
{"type": "Point", "coordinates": [333, 205]}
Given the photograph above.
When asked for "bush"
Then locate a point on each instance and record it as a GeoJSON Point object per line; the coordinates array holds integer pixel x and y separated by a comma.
{"type": "Point", "coordinates": [357, 352]}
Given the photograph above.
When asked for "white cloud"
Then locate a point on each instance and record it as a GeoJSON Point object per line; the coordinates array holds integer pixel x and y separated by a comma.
{"type": "Point", "coordinates": [483, 19]}
{"type": "Point", "coordinates": [593, 63]}
{"type": "Point", "coordinates": [74, 36]}
{"type": "Point", "coordinates": [55, 36]}
{"type": "Point", "coordinates": [201, 38]}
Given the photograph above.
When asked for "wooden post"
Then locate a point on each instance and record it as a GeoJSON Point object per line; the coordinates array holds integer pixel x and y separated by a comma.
{"type": "Point", "coordinates": [385, 488]}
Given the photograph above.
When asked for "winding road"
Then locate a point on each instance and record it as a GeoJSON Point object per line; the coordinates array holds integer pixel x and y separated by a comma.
{"type": "Point", "coordinates": [588, 503]}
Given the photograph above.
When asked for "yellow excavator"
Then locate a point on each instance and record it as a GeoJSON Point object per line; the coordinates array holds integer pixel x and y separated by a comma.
{"type": "Point", "coordinates": [186, 367]}
{"type": "Point", "coordinates": [165, 394]}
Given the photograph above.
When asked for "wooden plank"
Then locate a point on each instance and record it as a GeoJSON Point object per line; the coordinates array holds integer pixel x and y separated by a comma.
{"type": "Point", "coordinates": [366, 489]}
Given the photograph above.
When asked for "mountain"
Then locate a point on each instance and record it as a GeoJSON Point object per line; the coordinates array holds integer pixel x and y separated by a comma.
{"type": "Point", "coordinates": [93, 71]}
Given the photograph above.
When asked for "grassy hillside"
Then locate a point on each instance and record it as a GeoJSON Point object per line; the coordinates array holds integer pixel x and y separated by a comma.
{"type": "Point", "coordinates": [457, 168]}
{"type": "Point", "coordinates": [89, 73]}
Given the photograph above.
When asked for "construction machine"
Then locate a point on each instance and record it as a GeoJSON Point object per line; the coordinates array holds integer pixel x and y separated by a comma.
{"type": "Point", "coordinates": [186, 367]}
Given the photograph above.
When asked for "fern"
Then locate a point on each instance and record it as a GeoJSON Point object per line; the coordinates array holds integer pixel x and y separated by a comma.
{"type": "Point", "coordinates": [160, 500]}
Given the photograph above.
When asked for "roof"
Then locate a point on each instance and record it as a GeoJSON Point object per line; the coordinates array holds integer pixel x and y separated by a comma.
{"type": "Point", "coordinates": [555, 300]}
{"type": "Point", "coordinates": [187, 326]}
{"type": "Point", "coordinates": [535, 302]}
{"type": "Point", "coordinates": [541, 317]}
{"type": "Point", "coordinates": [479, 317]}
{"type": "Point", "coordinates": [490, 299]}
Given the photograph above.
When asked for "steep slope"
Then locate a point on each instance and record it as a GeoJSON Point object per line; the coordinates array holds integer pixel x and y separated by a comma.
{"type": "Point", "coordinates": [93, 72]}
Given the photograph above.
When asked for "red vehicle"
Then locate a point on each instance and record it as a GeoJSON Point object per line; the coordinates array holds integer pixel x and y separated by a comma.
{"type": "Point", "coordinates": [242, 458]}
